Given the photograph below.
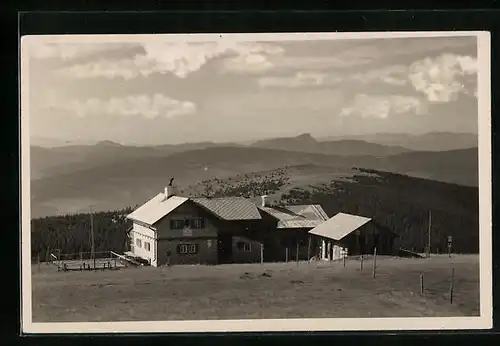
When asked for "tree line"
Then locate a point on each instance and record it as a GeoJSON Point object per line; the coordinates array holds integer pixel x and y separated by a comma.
{"type": "Point", "coordinates": [71, 234]}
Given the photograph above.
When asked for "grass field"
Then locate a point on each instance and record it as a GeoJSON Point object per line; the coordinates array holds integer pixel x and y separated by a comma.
{"type": "Point", "coordinates": [281, 290]}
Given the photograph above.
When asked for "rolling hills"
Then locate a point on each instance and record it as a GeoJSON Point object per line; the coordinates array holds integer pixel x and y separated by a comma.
{"type": "Point", "coordinates": [47, 162]}
{"type": "Point", "coordinates": [130, 182]}
{"type": "Point", "coordinates": [109, 175]}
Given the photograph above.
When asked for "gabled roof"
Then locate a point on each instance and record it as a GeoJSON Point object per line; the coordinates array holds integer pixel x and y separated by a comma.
{"type": "Point", "coordinates": [339, 226]}
{"type": "Point", "coordinates": [297, 216]}
{"type": "Point", "coordinates": [156, 208]}
{"type": "Point", "coordinates": [230, 208]}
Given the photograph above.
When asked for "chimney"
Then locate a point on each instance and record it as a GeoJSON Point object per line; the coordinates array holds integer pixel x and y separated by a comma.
{"type": "Point", "coordinates": [263, 200]}
{"type": "Point", "coordinates": [169, 191]}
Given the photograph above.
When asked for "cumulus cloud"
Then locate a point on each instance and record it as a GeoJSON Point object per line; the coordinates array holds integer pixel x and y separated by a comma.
{"type": "Point", "coordinates": [444, 78]}
{"type": "Point", "coordinates": [300, 79]}
{"type": "Point", "coordinates": [180, 59]}
{"type": "Point", "coordinates": [381, 107]}
{"type": "Point", "coordinates": [150, 107]}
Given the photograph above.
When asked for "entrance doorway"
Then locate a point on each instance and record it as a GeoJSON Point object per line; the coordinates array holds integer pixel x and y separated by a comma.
{"type": "Point", "coordinates": [225, 248]}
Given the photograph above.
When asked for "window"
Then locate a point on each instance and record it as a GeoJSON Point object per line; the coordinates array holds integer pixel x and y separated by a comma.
{"type": "Point", "coordinates": [187, 249]}
{"type": "Point", "coordinates": [244, 246]}
{"type": "Point", "coordinates": [197, 223]}
{"type": "Point", "coordinates": [147, 246]}
{"type": "Point", "coordinates": [176, 224]}
{"type": "Point", "coordinates": [138, 242]}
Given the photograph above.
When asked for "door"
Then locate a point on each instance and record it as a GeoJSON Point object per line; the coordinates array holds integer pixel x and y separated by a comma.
{"type": "Point", "coordinates": [224, 248]}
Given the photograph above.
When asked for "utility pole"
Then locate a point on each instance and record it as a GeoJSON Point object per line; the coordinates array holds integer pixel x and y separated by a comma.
{"type": "Point", "coordinates": [92, 253]}
{"type": "Point", "coordinates": [430, 227]}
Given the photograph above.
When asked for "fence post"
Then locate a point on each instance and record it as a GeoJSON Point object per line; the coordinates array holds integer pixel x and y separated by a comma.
{"type": "Point", "coordinates": [38, 260]}
{"type": "Point", "coordinates": [286, 254]}
{"type": "Point", "coordinates": [309, 249]}
{"type": "Point", "coordinates": [261, 253]}
{"type": "Point", "coordinates": [374, 261]}
{"type": "Point", "coordinates": [422, 284]}
{"type": "Point", "coordinates": [343, 256]}
{"type": "Point", "coordinates": [297, 255]}
{"type": "Point", "coordinates": [451, 284]}
{"type": "Point", "coordinates": [362, 259]}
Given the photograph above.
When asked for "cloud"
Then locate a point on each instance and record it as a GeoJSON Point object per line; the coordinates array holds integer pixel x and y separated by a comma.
{"type": "Point", "coordinates": [150, 107]}
{"type": "Point", "coordinates": [395, 75]}
{"type": "Point", "coordinates": [300, 79]}
{"type": "Point", "coordinates": [381, 107]}
{"type": "Point", "coordinates": [444, 78]}
{"type": "Point", "coordinates": [277, 60]}
{"type": "Point", "coordinates": [179, 59]}
{"type": "Point", "coordinates": [68, 51]}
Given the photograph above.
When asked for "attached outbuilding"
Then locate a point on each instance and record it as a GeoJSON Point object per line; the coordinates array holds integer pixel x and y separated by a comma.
{"type": "Point", "coordinates": [347, 234]}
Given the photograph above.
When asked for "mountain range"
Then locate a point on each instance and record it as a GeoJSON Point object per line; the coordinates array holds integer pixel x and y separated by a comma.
{"type": "Point", "coordinates": [110, 175]}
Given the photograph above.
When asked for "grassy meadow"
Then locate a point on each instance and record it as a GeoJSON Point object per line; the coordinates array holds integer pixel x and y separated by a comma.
{"type": "Point", "coordinates": [255, 291]}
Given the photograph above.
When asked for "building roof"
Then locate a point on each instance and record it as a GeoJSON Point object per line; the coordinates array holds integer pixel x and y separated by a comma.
{"type": "Point", "coordinates": [156, 208]}
{"type": "Point", "coordinates": [309, 211]}
{"type": "Point", "coordinates": [230, 208]}
{"type": "Point", "coordinates": [297, 216]}
{"type": "Point", "coordinates": [339, 226]}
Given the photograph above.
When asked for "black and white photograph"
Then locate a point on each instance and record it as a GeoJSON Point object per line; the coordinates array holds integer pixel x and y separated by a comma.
{"type": "Point", "coordinates": [256, 182]}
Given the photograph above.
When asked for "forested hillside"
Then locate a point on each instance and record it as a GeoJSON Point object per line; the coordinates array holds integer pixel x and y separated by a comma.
{"type": "Point", "coordinates": [71, 233]}
{"type": "Point", "coordinates": [403, 204]}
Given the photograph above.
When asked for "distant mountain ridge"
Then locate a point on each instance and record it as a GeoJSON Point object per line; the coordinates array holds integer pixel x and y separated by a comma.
{"type": "Point", "coordinates": [51, 161]}
{"type": "Point", "coordinates": [307, 143]}
{"type": "Point", "coordinates": [432, 141]}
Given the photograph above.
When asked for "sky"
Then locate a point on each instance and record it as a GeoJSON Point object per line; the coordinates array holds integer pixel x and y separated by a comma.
{"type": "Point", "coordinates": [155, 91]}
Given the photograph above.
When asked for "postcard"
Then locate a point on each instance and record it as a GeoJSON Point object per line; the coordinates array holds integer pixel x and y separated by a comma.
{"type": "Point", "coordinates": [256, 182]}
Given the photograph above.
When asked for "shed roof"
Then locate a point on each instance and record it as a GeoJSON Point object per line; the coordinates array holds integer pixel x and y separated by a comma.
{"type": "Point", "coordinates": [339, 226]}
{"type": "Point", "coordinates": [156, 208]}
{"type": "Point", "coordinates": [230, 208]}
